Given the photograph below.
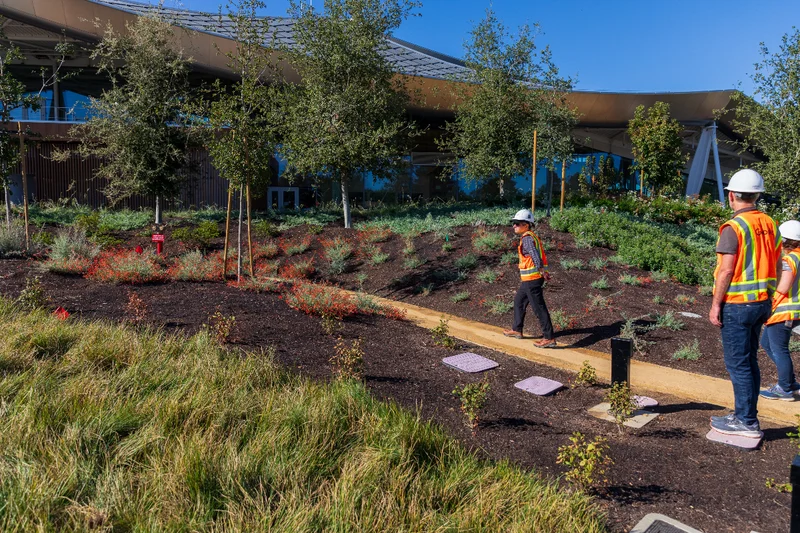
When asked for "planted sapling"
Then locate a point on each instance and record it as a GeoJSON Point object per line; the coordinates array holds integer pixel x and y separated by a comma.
{"type": "Point", "coordinates": [586, 460]}
{"type": "Point", "coordinates": [473, 398]}
{"type": "Point", "coordinates": [622, 404]}
{"type": "Point", "coordinates": [587, 375]}
{"type": "Point", "coordinates": [441, 335]}
{"type": "Point", "coordinates": [348, 360]}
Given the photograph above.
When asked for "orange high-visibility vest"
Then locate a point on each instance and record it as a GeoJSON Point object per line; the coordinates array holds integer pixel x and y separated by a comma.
{"type": "Point", "coordinates": [788, 307]}
{"type": "Point", "coordinates": [754, 276]}
{"type": "Point", "coordinates": [527, 268]}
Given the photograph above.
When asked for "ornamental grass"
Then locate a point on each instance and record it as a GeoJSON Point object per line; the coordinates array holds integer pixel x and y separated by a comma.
{"type": "Point", "coordinates": [106, 428]}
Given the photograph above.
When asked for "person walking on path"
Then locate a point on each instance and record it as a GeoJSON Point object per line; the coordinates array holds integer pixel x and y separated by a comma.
{"type": "Point", "coordinates": [748, 253]}
{"type": "Point", "coordinates": [533, 273]}
{"type": "Point", "coordinates": [785, 316]}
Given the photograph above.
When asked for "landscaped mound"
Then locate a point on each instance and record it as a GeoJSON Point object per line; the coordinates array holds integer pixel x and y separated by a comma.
{"type": "Point", "coordinates": [103, 426]}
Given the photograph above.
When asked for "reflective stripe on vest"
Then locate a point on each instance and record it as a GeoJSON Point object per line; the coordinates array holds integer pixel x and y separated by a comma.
{"type": "Point", "coordinates": [527, 268]}
{"type": "Point", "coordinates": [789, 309]}
{"type": "Point", "coordinates": [754, 276]}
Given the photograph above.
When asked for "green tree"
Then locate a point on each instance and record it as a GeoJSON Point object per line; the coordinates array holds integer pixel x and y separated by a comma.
{"type": "Point", "coordinates": [606, 176]}
{"type": "Point", "coordinates": [769, 120]}
{"type": "Point", "coordinates": [245, 117]}
{"type": "Point", "coordinates": [347, 115]}
{"type": "Point", "coordinates": [139, 128]}
{"type": "Point", "coordinates": [14, 96]}
{"type": "Point", "coordinates": [512, 88]}
{"type": "Point", "coordinates": [657, 147]}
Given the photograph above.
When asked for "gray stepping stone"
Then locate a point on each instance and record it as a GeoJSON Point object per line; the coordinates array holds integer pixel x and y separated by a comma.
{"type": "Point", "coordinates": [639, 419]}
{"type": "Point", "coordinates": [690, 315]}
{"type": "Point", "coordinates": [796, 330]}
{"type": "Point", "coordinates": [539, 386]}
{"type": "Point", "coordinates": [469, 362]}
{"type": "Point", "coordinates": [746, 443]}
{"type": "Point", "coordinates": [658, 523]}
{"type": "Point", "coordinates": [645, 401]}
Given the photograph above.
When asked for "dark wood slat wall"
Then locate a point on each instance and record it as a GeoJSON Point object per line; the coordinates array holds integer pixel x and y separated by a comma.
{"type": "Point", "coordinates": [74, 178]}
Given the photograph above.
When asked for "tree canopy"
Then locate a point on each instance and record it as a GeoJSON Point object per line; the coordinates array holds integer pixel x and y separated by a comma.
{"type": "Point", "coordinates": [769, 120]}
{"type": "Point", "coordinates": [347, 115]}
{"type": "Point", "coordinates": [657, 147]}
{"type": "Point", "coordinates": [512, 88]}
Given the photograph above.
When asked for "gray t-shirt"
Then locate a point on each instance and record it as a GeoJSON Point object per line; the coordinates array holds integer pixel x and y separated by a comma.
{"type": "Point", "coordinates": [728, 242]}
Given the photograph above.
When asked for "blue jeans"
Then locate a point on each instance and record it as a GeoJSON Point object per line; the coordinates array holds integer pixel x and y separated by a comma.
{"type": "Point", "coordinates": [741, 329]}
{"type": "Point", "coordinates": [775, 342]}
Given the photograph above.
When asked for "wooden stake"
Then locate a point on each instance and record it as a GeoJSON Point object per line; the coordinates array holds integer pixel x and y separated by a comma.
{"type": "Point", "coordinates": [24, 168]}
{"type": "Point", "coordinates": [533, 176]}
{"type": "Point", "coordinates": [227, 233]}
{"type": "Point", "coordinates": [563, 179]}
{"type": "Point", "coordinates": [249, 234]}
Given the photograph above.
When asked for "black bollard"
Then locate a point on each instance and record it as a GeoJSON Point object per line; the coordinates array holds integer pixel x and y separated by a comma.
{"type": "Point", "coordinates": [621, 353]}
{"type": "Point", "coordinates": [794, 478]}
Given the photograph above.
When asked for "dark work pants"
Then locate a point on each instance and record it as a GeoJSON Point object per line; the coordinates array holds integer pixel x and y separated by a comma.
{"type": "Point", "coordinates": [531, 292]}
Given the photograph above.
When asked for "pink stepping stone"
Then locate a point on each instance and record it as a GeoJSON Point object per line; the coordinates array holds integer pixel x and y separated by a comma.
{"type": "Point", "coordinates": [645, 401]}
{"type": "Point", "coordinates": [539, 386]}
{"type": "Point", "coordinates": [470, 362]}
{"type": "Point", "coordinates": [748, 443]}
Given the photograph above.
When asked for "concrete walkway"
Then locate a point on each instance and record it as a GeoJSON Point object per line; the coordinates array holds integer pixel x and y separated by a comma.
{"type": "Point", "coordinates": [645, 377]}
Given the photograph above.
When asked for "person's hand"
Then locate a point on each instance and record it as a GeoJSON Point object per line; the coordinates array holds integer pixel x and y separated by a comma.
{"type": "Point", "coordinates": [546, 276]}
{"type": "Point", "coordinates": [714, 316]}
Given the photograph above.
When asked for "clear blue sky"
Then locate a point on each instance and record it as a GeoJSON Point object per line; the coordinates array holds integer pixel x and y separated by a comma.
{"type": "Point", "coordinates": [613, 45]}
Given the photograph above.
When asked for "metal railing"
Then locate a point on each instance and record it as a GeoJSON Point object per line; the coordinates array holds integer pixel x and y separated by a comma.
{"type": "Point", "coordinates": [52, 114]}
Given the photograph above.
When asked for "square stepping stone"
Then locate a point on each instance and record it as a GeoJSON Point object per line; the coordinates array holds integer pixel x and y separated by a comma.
{"type": "Point", "coordinates": [645, 401]}
{"type": "Point", "coordinates": [539, 386]}
{"type": "Point", "coordinates": [658, 523]}
{"type": "Point", "coordinates": [796, 330]}
{"type": "Point", "coordinates": [469, 362]}
{"type": "Point", "coordinates": [746, 443]}
{"type": "Point", "coordinates": [639, 419]}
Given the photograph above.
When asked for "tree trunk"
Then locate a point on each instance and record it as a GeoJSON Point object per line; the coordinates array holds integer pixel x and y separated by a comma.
{"type": "Point", "coordinates": [346, 202]}
{"type": "Point", "coordinates": [239, 240]}
{"type": "Point", "coordinates": [158, 210]}
{"type": "Point", "coordinates": [8, 206]}
{"type": "Point", "coordinates": [501, 188]}
{"type": "Point", "coordinates": [551, 179]}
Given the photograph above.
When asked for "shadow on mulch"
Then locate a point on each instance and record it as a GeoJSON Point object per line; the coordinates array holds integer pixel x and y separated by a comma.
{"type": "Point", "coordinates": [777, 434]}
{"type": "Point", "coordinates": [689, 406]}
{"type": "Point", "coordinates": [593, 334]}
{"type": "Point", "coordinates": [628, 495]}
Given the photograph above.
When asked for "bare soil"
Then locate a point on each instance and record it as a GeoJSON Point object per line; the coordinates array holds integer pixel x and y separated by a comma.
{"type": "Point", "coordinates": [667, 467]}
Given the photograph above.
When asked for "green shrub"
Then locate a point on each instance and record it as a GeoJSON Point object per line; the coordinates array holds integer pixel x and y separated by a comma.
{"type": "Point", "coordinates": [337, 252]}
{"type": "Point", "coordinates": [628, 279]}
{"type": "Point", "coordinates": [587, 375]}
{"type": "Point", "coordinates": [586, 460]}
{"type": "Point", "coordinates": [412, 262]}
{"type": "Point", "coordinates": [706, 290]}
{"type": "Point", "coordinates": [622, 403]}
{"type": "Point", "coordinates": [562, 320]}
{"type": "Point", "coordinates": [348, 360]}
{"type": "Point", "coordinates": [447, 247]}
{"type": "Point", "coordinates": [12, 240]}
{"type": "Point", "coordinates": [601, 284]}
{"type": "Point", "coordinates": [683, 299]}
{"type": "Point", "coordinates": [488, 275]}
{"type": "Point", "coordinates": [265, 229]}
{"type": "Point", "coordinates": [598, 263]}
{"type": "Point", "coordinates": [489, 241]}
{"type": "Point", "coordinates": [659, 276]}
{"type": "Point", "coordinates": [70, 243]}
{"type": "Point", "coordinates": [572, 264]}
{"type": "Point", "coordinates": [458, 297]}
{"type": "Point", "coordinates": [378, 257]}
{"type": "Point", "coordinates": [597, 301]}
{"type": "Point", "coordinates": [473, 398]}
{"type": "Point", "coordinates": [199, 237]}
{"type": "Point", "coordinates": [509, 258]}
{"type": "Point", "coordinates": [498, 306]}
{"type": "Point", "coordinates": [669, 321]}
{"type": "Point", "coordinates": [658, 299]}
{"type": "Point", "coordinates": [441, 335]}
{"type": "Point", "coordinates": [466, 262]}
{"type": "Point", "coordinates": [32, 296]}
{"type": "Point", "coordinates": [688, 352]}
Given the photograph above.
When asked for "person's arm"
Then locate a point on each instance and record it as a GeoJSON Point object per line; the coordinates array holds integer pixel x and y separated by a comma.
{"type": "Point", "coordinates": [785, 281]}
{"type": "Point", "coordinates": [721, 286]}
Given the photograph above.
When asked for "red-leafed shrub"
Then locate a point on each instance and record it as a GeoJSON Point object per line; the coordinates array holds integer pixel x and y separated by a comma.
{"type": "Point", "coordinates": [257, 285]}
{"type": "Point", "coordinates": [295, 246]}
{"type": "Point", "coordinates": [320, 300]}
{"type": "Point", "coordinates": [266, 250]}
{"type": "Point", "coordinates": [126, 266]}
{"type": "Point", "coordinates": [266, 269]}
{"type": "Point", "coordinates": [298, 270]}
{"type": "Point", "coordinates": [71, 265]}
{"type": "Point", "coordinates": [375, 234]}
{"type": "Point", "coordinates": [192, 266]}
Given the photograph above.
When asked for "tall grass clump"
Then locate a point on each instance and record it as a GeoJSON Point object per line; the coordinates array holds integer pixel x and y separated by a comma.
{"type": "Point", "coordinates": [12, 240]}
{"type": "Point", "coordinates": [71, 252]}
{"type": "Point", "coordinates": [108, 428]}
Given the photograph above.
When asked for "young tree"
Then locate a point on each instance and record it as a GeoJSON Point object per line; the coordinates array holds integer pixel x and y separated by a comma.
{"type": "Point", "coordinates": [347, 115]}
{"type": "Point", "coordinates": [14, 96]}
{"type": "Point", "coordinates": [245, 117]}
{"type": "Point", "coordinates": [657, 147]}
{"type": "Point", "coordinates": [138, 128]}
{"type": "Point", "coordinates": [512, 89]}
{"type": "Point", "coordinates": [769, 120]}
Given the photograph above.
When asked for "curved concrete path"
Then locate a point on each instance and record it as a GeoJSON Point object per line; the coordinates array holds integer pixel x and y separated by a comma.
{"type": "Point", "coordinates": [645, 377]}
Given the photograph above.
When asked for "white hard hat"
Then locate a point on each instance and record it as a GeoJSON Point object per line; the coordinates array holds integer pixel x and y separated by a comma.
{"type": "Point", "coordinates": [790, 230]}
{"type": "Point", "coordinates": [746, 180]}
{"type": "Point", "coordinates": [523, 215]}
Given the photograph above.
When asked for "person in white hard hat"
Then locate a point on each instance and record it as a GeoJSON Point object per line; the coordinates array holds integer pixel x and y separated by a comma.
{"type": "Point", "coordinates": [785, 316]}
{"type": "Point", "coordinates": [748, 254]}
{"type": "Point", "coordinates": [533, 273]}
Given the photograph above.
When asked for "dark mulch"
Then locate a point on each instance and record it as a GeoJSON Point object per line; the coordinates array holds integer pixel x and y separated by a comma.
{"type": "Point", "coordinates": [666, 467]}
